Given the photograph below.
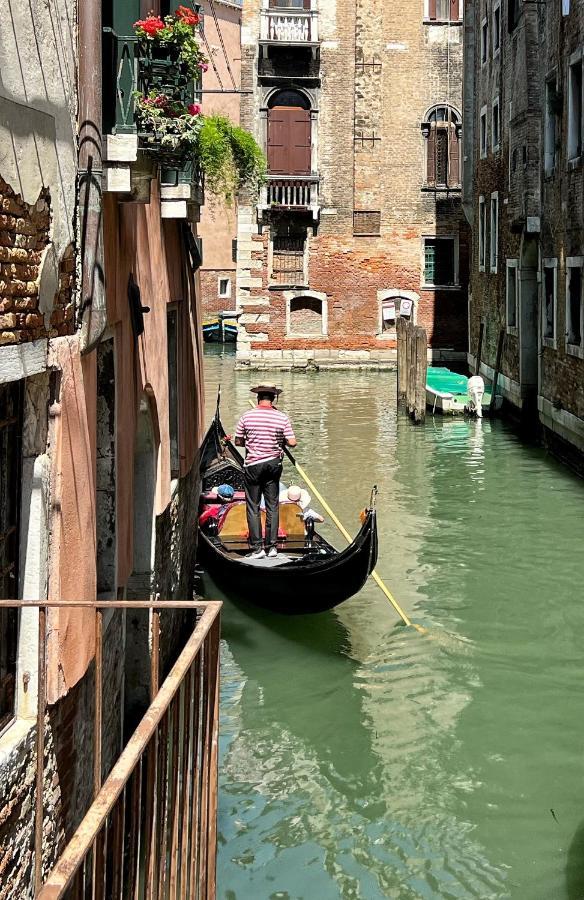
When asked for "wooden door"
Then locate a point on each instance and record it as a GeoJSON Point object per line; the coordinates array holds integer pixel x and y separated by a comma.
{"type": "Point", "coordinates": [289, 141]}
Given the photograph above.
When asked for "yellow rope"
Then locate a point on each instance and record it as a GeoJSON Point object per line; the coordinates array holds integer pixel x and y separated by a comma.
{"type": "Point", "coordinates": [404, 617]}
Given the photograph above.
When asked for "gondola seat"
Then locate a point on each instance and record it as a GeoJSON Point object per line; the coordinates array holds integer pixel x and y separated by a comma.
{"type": "Point", "coordinates": [234, 525]}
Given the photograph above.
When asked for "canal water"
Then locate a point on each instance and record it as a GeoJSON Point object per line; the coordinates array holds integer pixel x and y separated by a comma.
{"type": "Point", "coordinates": [363, 760]}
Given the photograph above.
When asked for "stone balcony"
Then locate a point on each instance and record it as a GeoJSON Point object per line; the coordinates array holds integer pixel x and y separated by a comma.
{"type": "Point", "coordinates": [290, 194]}
{"type": "Point", "coordinates": [285, 27]}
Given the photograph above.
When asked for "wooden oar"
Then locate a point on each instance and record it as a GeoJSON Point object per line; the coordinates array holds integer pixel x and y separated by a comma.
{"type": "Point", "coordinates": [404, 617]}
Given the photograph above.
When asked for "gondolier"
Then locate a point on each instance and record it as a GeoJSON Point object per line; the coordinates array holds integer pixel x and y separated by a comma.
{"type": "Point", "coordinates": [264, 432]}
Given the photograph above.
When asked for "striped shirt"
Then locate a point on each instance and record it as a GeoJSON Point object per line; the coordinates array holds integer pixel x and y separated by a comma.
{"type": "Point", "coordinates": [262, 429]}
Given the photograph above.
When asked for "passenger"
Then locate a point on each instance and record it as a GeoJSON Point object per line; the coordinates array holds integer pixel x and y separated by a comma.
{"type": "Point", "coordinates": [264, 432]}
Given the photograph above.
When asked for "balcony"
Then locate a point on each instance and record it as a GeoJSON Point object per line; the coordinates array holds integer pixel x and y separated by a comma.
{"type": "Point", "coordinates": [289, 27]}
{"type": "Point", "coordinates": [131, 156]}
{"type": "Point", "coordinates": [296, 194]}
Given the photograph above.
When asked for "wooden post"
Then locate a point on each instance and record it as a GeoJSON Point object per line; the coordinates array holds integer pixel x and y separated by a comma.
{"type": "Point", "coordinates": [421, 365]}
{"type": "Point", "coordinates": [497, 370]}
{"type": "Point", "coordinates": [480, 349]}
{"type": "Point", "coordinates": [412, 368]}
{"type": "Point", "coordinates": [401, 360]}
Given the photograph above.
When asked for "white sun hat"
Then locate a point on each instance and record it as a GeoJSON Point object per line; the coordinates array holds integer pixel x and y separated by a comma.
{"type": "Point", "coordinates": [295, 494]}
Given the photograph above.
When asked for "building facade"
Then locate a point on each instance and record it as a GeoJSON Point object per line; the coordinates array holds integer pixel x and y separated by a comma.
{"type": "Point", "coordinates": [221, 84]}
{"type": "Point", "coordinates": [358, 104]}
{"type": "Point", "coordinates": [100, 405]}
{"type": "Point", "coordinates": [522, 194]}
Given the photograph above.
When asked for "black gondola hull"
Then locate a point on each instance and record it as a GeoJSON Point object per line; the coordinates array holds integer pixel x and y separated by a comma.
{"type": "Point", "coordinates": [311, 584]}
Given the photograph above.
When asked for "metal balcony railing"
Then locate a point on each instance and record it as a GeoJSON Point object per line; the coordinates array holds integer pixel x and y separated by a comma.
{"type": "Point", "coordinates": [289, 26]}
{"type": "Point", "coordinates": [299, 192]}
{"type": "Point", "coordinates": [151, 828]}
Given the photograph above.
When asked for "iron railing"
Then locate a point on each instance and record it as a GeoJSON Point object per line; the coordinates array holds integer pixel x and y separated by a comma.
{"type": "Point", "coordinates": [151, 829]}
{"type": "Point", "coordinates": [289, 26]}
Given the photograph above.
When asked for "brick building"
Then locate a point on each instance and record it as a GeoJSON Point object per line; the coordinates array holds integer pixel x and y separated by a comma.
{"type": "Point", "coordinates": [100, 404]}
{"type": "Point", "coordinates": [522, 193]}
{"type": "Point", "coordinates": [218, 225]}
{"type": "Point", "coordinates": [358, 105]}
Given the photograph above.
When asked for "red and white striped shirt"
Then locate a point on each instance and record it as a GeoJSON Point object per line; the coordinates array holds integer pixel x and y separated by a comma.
{"type": "Point", "coordinates": [262, 429]}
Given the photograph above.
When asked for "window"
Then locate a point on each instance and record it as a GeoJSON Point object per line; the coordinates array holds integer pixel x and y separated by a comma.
{"type": "Point", "coordinates": [441, 131]}
{"type": "Point", "coordinates": [484, 41]}
{"type": "Point", "coordinates": [224, 286]}
{"type": "Point", "coordinates": [549, 288]}
{"type": "Point", "coordinates": [574, 305]}
{"type": "Point", "coordinates": [483, 132]}
{"type": "Point", "coordinates": [551, 125]}
{"type": "Point", "coordinates": [173, 421]}
{"type": "Point", "coordinates": [511, 294]}
{"type": "Point", "coordinates": [494, 235]}
{"type": "Point", "coordinates": [514, 10]}
{"type": "Point", "coordinates": [482, 233]}
{"type": "Point", "coordinates": [443, 10]}
{"type": "Point", "coordinates": [496, 29]}
{"type": "Point", "coordinates": [289, 134]}
{"type": "Point", "coordinates": [393, 306]}
{"type": "Point", "coordinates": [366, 222]}
{"type": "Point", "coordinates": [496, 125]}
{"type": "Point", "coordinates": [288, 259]}
{"type": "Point", "coordinates": [575, 109]}
{"type": "Point", "coordinates": [306, 315]}
{"type": "Point", "coordinates": [11, 397]}
{"type": "Point", "coordinates": [440, 263]}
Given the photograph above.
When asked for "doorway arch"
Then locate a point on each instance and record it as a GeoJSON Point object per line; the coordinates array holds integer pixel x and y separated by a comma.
{"type": "Point", "coordinates": [289, 138]}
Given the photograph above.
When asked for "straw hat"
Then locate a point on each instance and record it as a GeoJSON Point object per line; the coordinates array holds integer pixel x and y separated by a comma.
{"type": "Point", "coordinates": [295, 494]}
{"type": "Point", "coordinates": [266, 389]}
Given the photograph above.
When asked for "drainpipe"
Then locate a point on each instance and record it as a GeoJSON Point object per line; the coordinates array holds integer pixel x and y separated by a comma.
{"type": "Point", "coordinates": [93, 309]}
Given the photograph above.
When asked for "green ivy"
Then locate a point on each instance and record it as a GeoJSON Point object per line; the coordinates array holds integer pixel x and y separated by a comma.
{"type": "Point", "coordinates": [229, 157]}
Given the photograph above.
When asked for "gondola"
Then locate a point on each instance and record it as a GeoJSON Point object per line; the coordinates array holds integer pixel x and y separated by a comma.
{"type": "Point", "coordinates": [308, 576]}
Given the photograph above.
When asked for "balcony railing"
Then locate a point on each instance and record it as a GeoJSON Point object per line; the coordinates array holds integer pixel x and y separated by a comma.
{"type": "Point", "coordinates": [152, 825]}
{"type": "Point", "coordinates": [299, 192]}
{"type": "Point", "coordinates": [289, 26]}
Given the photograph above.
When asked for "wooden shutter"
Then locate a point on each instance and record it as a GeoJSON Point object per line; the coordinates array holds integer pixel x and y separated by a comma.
{"type": "Point", "coordinates": [453, 159]}
{"type": "Point", "coordinates": [289, 141]}
{"type": "Point", "coordinates": [454, 10]}
{"type": "Point", "coordinates": [432, 9]}
{"type": "Point", "coordinates": [431, 156]}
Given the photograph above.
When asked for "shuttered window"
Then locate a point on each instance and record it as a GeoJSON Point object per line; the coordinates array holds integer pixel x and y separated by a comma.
{"type": "Point", "coordinates": [288, 260]}
{"type": "Point", "coordinates": [289, 135]}
{"type": "Point", "coordinates": [10, 475]}
{"type": "Point", "coordinates": [444, 10]}
{"type": "Point", "coordinates": [442, 133]}
{"type": "Point", "coordinates": [367, 222]}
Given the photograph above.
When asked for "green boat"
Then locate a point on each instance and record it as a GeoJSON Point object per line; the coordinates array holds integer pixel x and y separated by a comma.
{"type": "Point", "coordinates": [448, 392]}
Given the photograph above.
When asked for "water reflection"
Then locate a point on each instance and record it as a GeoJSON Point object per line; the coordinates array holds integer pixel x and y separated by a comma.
{"type": "Point", "coordinates": [363, 760]}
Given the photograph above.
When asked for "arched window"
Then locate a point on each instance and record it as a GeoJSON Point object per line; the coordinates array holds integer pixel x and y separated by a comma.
{"type": "Point", "coordinates": [289, 134]}
{"type": "Point", "coordinates": [306, 314]}
{"type": "Point", "coordinates": [394, 304]}
{"type": "Point", "coordinates": [442, 131]}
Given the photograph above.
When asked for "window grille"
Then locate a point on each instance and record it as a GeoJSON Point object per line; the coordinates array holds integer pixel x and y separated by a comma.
{"type": "Point", "coordinates": [288, 260]}
{"type": "Point", "coordinates": [367, 222]}
{"type": "Point", "coordinates": [10, 475]}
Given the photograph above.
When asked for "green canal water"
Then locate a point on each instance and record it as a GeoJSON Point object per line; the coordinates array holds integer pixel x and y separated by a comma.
{"type": "Point", "coordinates": [360, 759]}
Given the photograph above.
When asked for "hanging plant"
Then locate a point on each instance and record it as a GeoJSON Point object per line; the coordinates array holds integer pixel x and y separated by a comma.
{"type": "Point", "coordinates": [176, 36]}
{"type": "Point", "coordinates": [229, 157]}
{"type": "Point", "coordinates": [168, 126]}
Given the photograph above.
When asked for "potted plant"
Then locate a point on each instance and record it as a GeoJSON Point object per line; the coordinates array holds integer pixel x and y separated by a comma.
{"type": "Point", "coordinates": [172, 40]}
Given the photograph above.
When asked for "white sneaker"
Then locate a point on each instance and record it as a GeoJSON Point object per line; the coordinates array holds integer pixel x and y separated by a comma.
{"type": "Point", "coordinates": [272, 552]}
{"type": "Point", "coordinates": [257, 554]}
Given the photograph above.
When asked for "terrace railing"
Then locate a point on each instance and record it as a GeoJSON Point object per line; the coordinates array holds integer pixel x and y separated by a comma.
{"type": "Point", "coordinates": [151, 829]}
{"type": "Point", "coordinates": [289, 26]}
{"type": "Point", "coordinates": [297, 192]}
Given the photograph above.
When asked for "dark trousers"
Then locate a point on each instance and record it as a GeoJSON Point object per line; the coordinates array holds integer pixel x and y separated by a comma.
{"type": "Point", "coordinates": [263, 479]}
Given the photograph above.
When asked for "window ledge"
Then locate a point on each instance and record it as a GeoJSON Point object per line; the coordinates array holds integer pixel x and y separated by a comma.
{"type": "Point", "coordinates": [550, 343]}
{"type": "Point", "coordinates": [512, 330]}
{"type": "Point", "coordinates": [288, 287]}
{"type": "Point", "coordinates": [441, 189]}
{"type": "Point", "coordinates": [441, 287]}
{"type": "Point", "coordinates": [443, 22]}
{"type": "Point", "coordinates": [574, 162]}
{"type": "Point", "coordinates": [576, 350]}
{"type": "Point", "coordinates": [387, 335]}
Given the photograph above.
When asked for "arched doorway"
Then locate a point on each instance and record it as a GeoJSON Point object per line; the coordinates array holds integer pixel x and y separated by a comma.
{"type": "Point", "coordinates": [289, 134]}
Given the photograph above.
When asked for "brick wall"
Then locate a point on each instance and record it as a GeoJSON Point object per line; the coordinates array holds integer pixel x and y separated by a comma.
{"type": "Point", "coordinates": [24, 241]}
{"type": "Point", "coordinates": [370, 156]}
{"type": "Point", "coordinates": [212, 303]}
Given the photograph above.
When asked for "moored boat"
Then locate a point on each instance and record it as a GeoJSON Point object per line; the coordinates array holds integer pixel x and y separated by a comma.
{"type": "Point", "coordinates": [212, 330]}
{"type": "Point", "coordinates": [308, 576]}
{"type": "Point", "coordinates": [448, 392]}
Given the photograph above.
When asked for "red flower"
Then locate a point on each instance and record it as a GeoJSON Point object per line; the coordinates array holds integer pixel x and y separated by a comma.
{"type": "Point", "coordinates": [188, 16]}
{"type": "Point", "coordinates": [152, 25]}
{"type": "Point", "coordinates": [194, 109]}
